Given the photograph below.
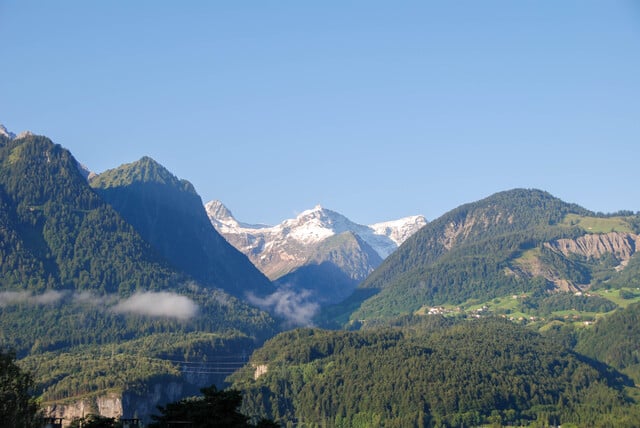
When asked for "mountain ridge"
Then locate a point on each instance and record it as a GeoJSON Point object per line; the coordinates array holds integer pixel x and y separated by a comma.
{"type": "Point", "coordinates": [264, 245]}
{"type": "Point", "coordinates": [315, 259]}
{"type": "Point", "coordinates": [521, 241]}
{"type": "Point", "coordinates": [168, 212]}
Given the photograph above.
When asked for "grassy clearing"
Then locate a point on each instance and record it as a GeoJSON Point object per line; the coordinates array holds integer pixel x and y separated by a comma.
{"type": "Point", "coordinates": [614, 296]}
{"type": "Point", "coordinates": [598, 224]}
{"type": "Point", "coordinates": [510, 306]}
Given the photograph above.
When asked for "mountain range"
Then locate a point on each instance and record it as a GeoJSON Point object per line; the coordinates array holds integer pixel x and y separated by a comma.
{"type": "Point", "coordinates": [319, 250]}
{"type": "Point", "coordinates": [119, 291]}
{"type": "Point", "coordinates": [521, 241]}
{"type": "Point", "coordinates": [81, 279]}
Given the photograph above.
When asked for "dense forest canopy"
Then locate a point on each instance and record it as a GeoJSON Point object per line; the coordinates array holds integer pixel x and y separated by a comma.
{"type": "Point", "coordinates": [471, 373]}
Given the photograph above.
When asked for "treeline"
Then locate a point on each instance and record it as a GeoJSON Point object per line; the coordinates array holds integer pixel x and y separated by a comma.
{"type": "Point", "coordinates": [545, 304]}
{"type": "Point", "coordinates": [133, 366]}
{"type": "Point", "coordinates": [614, 340]}
{"type": "Point", "coordinates": [479, 372]}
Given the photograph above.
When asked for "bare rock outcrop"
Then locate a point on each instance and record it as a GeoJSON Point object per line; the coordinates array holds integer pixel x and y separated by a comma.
{"type": "Point", "coordinates": [109, 405]}
{"type": "Point", "coordinates": [594, 246]}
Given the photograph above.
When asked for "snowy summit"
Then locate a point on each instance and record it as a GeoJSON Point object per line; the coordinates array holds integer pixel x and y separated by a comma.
{"type": "Point", "coordinates": [277, 249]}
{"type": "Point", "coordinates": [5, 132]}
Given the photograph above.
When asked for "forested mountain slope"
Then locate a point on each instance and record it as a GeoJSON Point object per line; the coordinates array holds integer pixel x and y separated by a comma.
{"type": "Point", "coordinates": [515, 242]}
{"type": "Point", "coordinates": [169, 214]}
{"type": "Point", "coordinates": [78, 279]}
{"type": "Point", "coordinates": [60, 234]}
{"type": "Point", "coordinates": [615, 340]}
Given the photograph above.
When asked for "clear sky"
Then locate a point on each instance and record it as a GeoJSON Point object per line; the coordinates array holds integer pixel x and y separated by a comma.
{"type": "Point", "coordinates": [375, 109]}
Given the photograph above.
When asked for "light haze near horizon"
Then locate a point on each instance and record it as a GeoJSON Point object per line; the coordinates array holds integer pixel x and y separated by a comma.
{"type": "Point", "coordinates": [377, 110]}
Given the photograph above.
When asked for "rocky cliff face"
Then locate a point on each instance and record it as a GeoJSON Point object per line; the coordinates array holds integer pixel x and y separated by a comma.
{"type": "Point", "coordinates": [594, 246]}
{"type": "Point", "coordinates": [121, 405]}
{"type": "Point", "coordinates": [109, 405]}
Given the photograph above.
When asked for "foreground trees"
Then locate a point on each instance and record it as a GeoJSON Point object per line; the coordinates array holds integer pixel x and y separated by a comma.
{"type": "Point", "coordinates": [432, 372]}
{"type": "Point", "coordinates": [214, 409]}
{"type": "Point", "coordinates": [18, 409]}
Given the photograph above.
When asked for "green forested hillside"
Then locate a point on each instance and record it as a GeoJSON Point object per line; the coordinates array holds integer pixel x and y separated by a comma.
{"type": "Point", "coordinates": [515, 242]}
{"type": "Point", "coordinates": [487, 371]}
{"type": "Point", "coordinates": [500, 215]}
{"type": "Point", "coordinates": [615, 340]}
{"type": "Point", "coordinates": [60, 234]}
{"type": "Point", "coordinates": [169, 214]}
{"type": "Point", "coordinates": [29, 325]}
{"type": "Point", "coordinates": [134, 365]}
{"type": "Point", "coordinates": [96, 299]}
{"type": "Point", "coordinates": [77, 279]}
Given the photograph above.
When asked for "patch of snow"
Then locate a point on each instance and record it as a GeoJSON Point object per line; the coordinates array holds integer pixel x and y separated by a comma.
{"type": "Point", "coordinates": [24, 134]}
{"type": "Point", "coordinates": [4, 131]}
{"type": "Point", "coordinates": [313, 226]}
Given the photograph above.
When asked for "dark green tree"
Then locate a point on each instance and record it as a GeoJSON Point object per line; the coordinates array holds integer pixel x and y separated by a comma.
{"type": "Point", "coordinates": [212, 410]}
{"type": "Point", "coordinates": [95, 421]}
{"type": "Point", "coordinates": [18, 408]}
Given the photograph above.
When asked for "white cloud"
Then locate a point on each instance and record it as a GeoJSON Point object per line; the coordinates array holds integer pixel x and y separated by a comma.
{"type": "Point", "coordinates": [162, 304]}
{"type": "Point", "coordinates": [48, 297]}
{"type": "Point", "coordinates": [295, 306]}
{"type": "Point", "coordinates": [16, 297]}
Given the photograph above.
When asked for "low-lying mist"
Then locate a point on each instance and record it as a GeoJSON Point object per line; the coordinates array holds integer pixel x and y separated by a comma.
{"type": "Point", "coordinates": [153, 304]}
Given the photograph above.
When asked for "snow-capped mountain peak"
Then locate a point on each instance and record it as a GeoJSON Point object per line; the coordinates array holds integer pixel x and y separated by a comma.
{"type": "Point", "coordinates": [315, 225]}
{"type": "Point", "coordinates": [5, 132]}
{"type": "Point", "coordinates": [277, 249]}
{"type": "Point", "coordinates": [220, 215]}
{"type": "Point", "coordinates": [10, 135]}
{"type": "Point", "coordinates": [399, 230]}
{"type": "Point", "coordinates": [24, 134]}
{"type": "Point", "coordinates": [222, 218]}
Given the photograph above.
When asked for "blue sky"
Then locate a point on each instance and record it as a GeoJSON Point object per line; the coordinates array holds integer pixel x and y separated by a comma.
{"type": "Point", "coordinates": [374, 109]}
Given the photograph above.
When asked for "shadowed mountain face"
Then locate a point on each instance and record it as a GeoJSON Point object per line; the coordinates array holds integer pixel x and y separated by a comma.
{"type": "Point", "coordinates": [169, 214]}
{"type": "Point", "coordinates": [62, 243]}
{"type": "Point", "coordinates": [334, 268]}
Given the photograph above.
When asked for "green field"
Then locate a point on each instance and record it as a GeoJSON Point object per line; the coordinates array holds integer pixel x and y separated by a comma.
{"type": "Point", "coordinates": [614, 296]}
{"type": "Point", "coordinates": [510, 307]}
{"type": "Point", "coordinates": [598, 224]}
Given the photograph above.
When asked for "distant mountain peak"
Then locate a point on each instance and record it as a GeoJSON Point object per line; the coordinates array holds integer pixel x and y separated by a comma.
{"type": "Point", "coordinates": [144, 170]}
{"type": "Point", "coordinates": [12, 136]}
{"type": "Point", "coordinates": [219, 210]}
{"type": "Point", "coordinates": [277, 249]}
{"type": "Point", "coordinates": [5, 132]}
{"type": "Point", "coordinates": [24, 134]}
{"type": "Point", "coordinates": [222, 218]}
